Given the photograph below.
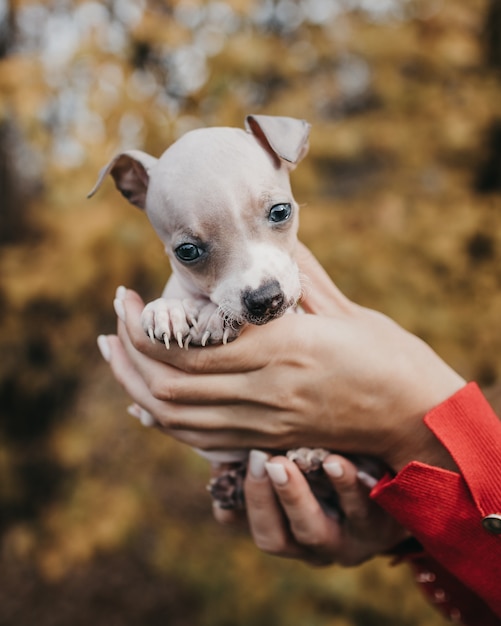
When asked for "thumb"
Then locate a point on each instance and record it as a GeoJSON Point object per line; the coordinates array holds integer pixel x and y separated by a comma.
{"type": "Point", "coordinates": [321, 296]}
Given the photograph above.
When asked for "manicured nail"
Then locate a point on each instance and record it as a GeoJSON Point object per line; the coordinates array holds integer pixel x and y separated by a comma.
{"type": "Point", "coordinates": [141, 414]}
{"type": "Point", "coordinates": [104, 347]}
{"type": "Point", "coordinates": [366, 479]}
{"type": "Point", "coordinates": [120, 293]}
{"type": "Point", "coordinates": [334, 469]}
{"type": "Point", "coordinates": [257, 462]}
{"type": "Point", "coordinates": [147, 419]}
{"type": "Point", "coordinates": [119, 308]}
{"type": "Point", "coordinates": [134, 410]}
{"type": "Point", "coordinates": [277, 473]}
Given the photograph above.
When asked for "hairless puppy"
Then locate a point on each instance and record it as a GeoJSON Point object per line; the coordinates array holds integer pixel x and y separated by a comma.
{"type": "Point", "coordinates": [220, 200]}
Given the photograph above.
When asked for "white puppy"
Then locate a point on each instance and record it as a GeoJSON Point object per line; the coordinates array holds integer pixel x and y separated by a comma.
{"type": "Point", "coordinates": [221, 202]}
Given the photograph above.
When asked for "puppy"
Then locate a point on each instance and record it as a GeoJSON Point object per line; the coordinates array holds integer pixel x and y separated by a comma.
{"type": "Point", "coordinates": [221, 202]}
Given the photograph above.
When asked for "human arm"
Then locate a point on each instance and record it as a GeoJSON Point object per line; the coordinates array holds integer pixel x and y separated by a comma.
{"type": "Point", "coordinates": [341, 376]}
{"type": "Point", "coordinates": [286, 519]}
{"type": "Point", "coordinates": [345, 376]}
{"type": "Point", "coordinates": [448, 511]}
{"type": "Point", "coordinates": [456, 560]}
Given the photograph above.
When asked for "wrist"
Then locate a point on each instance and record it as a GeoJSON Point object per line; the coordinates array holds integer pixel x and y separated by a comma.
{"type": "Point", "coordinates": [414, 440]}
{"type": "Point", "coordinates": [425, 448]}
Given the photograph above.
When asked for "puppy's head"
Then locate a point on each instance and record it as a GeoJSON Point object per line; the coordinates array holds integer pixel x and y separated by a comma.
{"type": "Point", "coordinates": [220, 201]}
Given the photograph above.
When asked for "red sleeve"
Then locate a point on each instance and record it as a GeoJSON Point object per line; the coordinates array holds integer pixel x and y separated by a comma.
{"type": "Point", "coordinates": [445, 510]}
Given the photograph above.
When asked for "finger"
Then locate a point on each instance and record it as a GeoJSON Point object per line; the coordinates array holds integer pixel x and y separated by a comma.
{"type": "Point", "coordinates": [129, 308]}
{"type": "Point", "coordinates": [207, 427]}
{"type": "Point", "coordinates": [199, 427]}
{"type": "Point", "coordinates": [127, 375]}
{"type": "Point", "coordinates": [353, 495]}
{"type": "Point", "coordinates": [267, 523]}
{"type": "Point", "coordinates": [203, 386]}
{"type": "Point", "coordinates": [168, 383]}
{"type": "Point", "coordinates": [236, 356]}
{"type": "Point", "coordinates": [311, 527]}
{"type": "Point", "coordinates": [321, 296]}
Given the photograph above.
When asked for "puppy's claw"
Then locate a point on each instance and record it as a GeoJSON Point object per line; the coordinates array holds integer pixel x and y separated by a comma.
{"type": "Point", "coordinates": [226, 334]}
{"type": "Point", "coordinates": [151, 334]}
{"type": "Point", "coordinates": [166, 340]}
{"type": "Point", "coordinates": [179, 337]}
{"type": "Point", "coordinates": [187, 342]}
{"type": "Point", "coordinates": [205, 338]}
{"type": "Point", "coordinates": [194, 323]}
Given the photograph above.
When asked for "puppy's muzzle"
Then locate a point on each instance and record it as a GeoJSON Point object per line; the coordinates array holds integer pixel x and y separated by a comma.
{"type": "Point", "coordinates": [264, 303]}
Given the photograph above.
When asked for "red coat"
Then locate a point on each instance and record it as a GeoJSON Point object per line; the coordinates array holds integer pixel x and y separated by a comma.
{"type": "Point", "coordinates": [461, 567]}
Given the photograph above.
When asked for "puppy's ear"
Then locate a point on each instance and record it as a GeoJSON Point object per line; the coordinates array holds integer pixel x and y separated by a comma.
{"type": "Point", "coordinates": [285, 137]}
{"type": "Point", "coordinates": [130, 171]}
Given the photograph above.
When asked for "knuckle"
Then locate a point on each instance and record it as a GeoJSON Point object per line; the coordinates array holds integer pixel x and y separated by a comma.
{"type": "Point", "coordinates": [139, 340]}
{"type": "Point", "coordinates": [304, 535]}
{"type": "Point", "coordinates": [274, 546]}
{"type": "Point", "coordinates": [346, 485]}
{"type": "Point", "coordinates": [309, 528]}
{"type": "Point", "coordinates": [162, 390]}
{"type": "Point", "coordinates": [358, 513]}
{"type": "Point", "coordinates": [199, 362]}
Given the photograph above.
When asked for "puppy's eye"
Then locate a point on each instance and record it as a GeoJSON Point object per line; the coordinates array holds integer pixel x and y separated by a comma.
{"type": "Point", "coordinates": [280, 212]}
{"type": "Point", "coordinates": [188, 252]}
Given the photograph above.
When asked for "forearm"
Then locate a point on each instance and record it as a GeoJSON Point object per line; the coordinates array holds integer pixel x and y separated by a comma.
{"type": "Point", "coordinates": [445, 510]}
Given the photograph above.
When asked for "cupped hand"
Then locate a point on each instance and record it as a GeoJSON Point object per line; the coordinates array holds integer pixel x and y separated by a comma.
{"type": "Point", "coordinates": [341, 376]}
{"type": "Point", "coordinates": [285, 518]}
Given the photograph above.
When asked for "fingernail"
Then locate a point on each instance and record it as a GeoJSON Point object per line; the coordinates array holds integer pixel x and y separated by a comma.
{"type": "Point", "coordinates": [141, 414]}
{"type": "Point", "coordinates": [104, 347]}
{"type": "Point", "coordinates": [120, 293]}
{"type": "Point", "coordinates": [334, 469]}
{"type": "Point", "coordinates": [257, 461]}
{"type": "Point", "coordinates": [119, 308]}
{"type": "Point", "coordinates": [277, 473]}
{"type": "Point", "coordinates": [134, 410]}
{"type": "Point", "coordinates": [147, 419]}
{"type": "Point", "coordinates": [366, 479]}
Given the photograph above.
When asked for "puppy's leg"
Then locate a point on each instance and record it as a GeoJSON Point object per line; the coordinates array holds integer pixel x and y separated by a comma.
{"type": "Point", "coordinates": [167, 318]}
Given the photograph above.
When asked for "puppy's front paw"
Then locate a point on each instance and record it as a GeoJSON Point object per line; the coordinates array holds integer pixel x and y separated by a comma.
{"type": "Point", "coordinates": [213, 328]}
{"type": "Point", "coordinates": [165, 319]}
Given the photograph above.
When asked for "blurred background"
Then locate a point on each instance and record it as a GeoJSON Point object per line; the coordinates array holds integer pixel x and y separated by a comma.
{"type": "Point", "coordinates": [103, 522]}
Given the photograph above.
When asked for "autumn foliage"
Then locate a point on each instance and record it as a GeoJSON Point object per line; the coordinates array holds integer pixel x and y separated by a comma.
{"type": "Point", "coordinates": [104, 522]}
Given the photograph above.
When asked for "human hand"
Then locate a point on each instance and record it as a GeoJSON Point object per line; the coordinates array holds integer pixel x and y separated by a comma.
{"type": "Point", "coordinates": [285, 519]}
{"type": "Point", "coordinates": [342, 377]}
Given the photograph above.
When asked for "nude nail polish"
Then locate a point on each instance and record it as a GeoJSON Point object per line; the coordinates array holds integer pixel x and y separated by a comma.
{"type": "Point", "coordinates": [334, 469]}
{"type": "Point", "coordinates": [277, 473]}
{"type": "Point", "coordinates": [104, 347]}
{"type": "Point", "coordinates": [147, 419]}
{"type": "Point", "coordinates": [257, 463]}
{"type": "Point", "coordinates": [366, 479]}
{"type": "Point", "coordinates": [119, 308]}
{"type": "Point", "coordinates": [134, 410]}
{"type": "Point", "coordinates": [120, 293]}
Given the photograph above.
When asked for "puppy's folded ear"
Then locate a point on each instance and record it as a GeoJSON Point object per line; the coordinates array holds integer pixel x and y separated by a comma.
{"type": "Point", "coordinates": [285, 137]}
{"type": "Point", "coordinates": [130, 171]}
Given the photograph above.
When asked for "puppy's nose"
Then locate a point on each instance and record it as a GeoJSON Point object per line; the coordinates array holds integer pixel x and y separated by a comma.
{"type": "Point", "coordinates": [264, 301]}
